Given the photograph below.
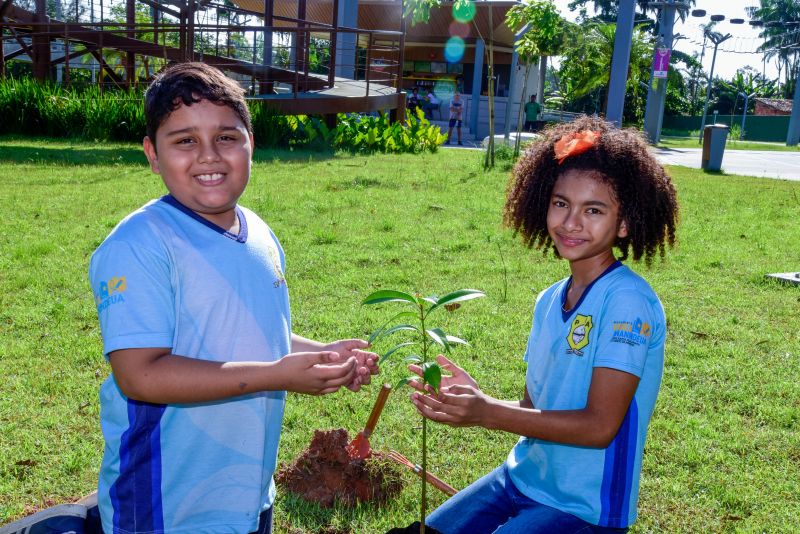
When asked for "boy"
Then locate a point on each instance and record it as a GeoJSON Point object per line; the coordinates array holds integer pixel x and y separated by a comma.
{"type": "Point", "coordinates": [532, 110]}
{"type": "Point", "coordinates": [194, 312]}
{"type": "Point", "coordinates": [456, 111]}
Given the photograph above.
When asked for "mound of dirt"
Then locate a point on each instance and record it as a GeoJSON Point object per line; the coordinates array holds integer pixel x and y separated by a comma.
{"type": "Point", "coordinates": [323, 473]}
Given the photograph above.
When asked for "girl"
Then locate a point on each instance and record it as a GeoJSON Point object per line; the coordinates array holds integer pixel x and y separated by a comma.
{"type": "Point", "coordinates": [596, 349]}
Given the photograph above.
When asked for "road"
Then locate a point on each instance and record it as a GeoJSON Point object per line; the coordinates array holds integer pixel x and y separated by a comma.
{"type": "Point", "coordinates": [763, 163]}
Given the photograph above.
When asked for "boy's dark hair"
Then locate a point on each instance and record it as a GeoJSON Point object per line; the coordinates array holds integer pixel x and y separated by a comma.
{"type": "Point", "coordinates": [187, 84]}
{"type": "Point", "coordinates": [620, 157]}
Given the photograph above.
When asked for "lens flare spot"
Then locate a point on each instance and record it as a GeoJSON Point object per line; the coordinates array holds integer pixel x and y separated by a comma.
{"type": "Point", "coordinates": [444, 88]}
{"type": "Point", "coordinates": [454, 49]}
{"type": "Point", "coordinates": [459, 29]}
{"type": "Point", "coordinates": [464, 11]}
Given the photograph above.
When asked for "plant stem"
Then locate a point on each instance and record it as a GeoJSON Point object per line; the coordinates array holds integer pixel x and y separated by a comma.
{"type": "Point", "coordinates": [424, 499]}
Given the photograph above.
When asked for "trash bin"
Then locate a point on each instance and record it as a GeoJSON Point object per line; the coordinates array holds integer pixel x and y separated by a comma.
{"type": "Point", "coordinates": [714, 137]}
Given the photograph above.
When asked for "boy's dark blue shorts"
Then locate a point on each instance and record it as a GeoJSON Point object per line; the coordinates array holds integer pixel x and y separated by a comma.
{"type": "Point", "coordinates": [455, 122]}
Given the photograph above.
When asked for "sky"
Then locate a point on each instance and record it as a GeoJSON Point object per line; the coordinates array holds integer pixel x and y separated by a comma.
{"type": "Point", "coordinates": [731, 54]}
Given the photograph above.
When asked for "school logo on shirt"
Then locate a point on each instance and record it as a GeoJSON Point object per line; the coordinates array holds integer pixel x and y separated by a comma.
{"type": "Point", "coordinates": [110, 292]}
{"type": "Point", "coordinates": [635, 333]}
{"type": "Point", "coordinates": [276, 267]}
{"type": "Point", "coordinates": [578, 336]}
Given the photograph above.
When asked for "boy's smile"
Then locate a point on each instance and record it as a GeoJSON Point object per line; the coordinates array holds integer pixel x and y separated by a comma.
{"type": "Point", "coordinates": [583, 219]}
{"type": "Point", "coordinates": [203, 154]}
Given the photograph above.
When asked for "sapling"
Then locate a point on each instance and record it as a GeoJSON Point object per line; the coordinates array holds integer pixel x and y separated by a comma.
{"type": "Point", "coordinates": [416, 321]}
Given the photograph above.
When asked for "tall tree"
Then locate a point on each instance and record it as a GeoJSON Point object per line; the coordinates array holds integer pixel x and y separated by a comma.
{"type": "Point", "coordinates": [586, 63]}
{"type": "Point", "coordinates": [544, 37]}
{"type": "Point", "coordinates": [779, 42]}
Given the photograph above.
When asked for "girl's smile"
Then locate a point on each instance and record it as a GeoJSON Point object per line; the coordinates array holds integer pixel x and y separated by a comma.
{"type": "Point", "coordinates": [583, 220]}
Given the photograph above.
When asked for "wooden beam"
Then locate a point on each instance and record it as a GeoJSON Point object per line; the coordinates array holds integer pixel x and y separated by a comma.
{"type": "Point", "coordinates": [130, 56]}
{"type": "Point", "coordinates": [108, 70]}
{"type": "Point", "coordinates": [77, 53]}
{"type": "Point", "coordinates": [41, 44]}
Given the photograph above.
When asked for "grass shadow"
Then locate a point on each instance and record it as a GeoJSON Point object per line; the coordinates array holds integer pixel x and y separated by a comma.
{"type": "Point", "coordinates": [71, 155]}
{"type": "Point", "coordinates": [76, 152]}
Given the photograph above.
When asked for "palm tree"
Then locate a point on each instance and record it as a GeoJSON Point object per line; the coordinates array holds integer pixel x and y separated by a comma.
{"type": "Point", "coordinates": [779, 43]}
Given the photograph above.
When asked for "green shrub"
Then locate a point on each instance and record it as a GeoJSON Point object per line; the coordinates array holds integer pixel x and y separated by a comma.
{"type": "Point", "coordinates": [29, 107]}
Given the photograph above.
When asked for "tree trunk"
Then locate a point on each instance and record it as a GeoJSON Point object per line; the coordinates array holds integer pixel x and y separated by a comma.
{"type": "Point", "coordinates": [542, 76]}
{"type": "Point", "coordinates": [522, 98]}
{"type": "Point", "coordinates": [489, 161]}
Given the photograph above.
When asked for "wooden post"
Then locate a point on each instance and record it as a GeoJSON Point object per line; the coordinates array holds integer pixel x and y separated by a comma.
{"type": "Point", "coordinates": [367, 60]}
{"type": "Point", "coordinates": [304, 39]}
{"type": "Point", "coordinates": [334, 36]}
{"type": "Point", "coordinates": [265, 85]}
{"type": "Point", "coordinates": [182, 33]}
{"type": "Point", "coordinates": [400, 112]}
{"type": "Point", "coordinates": [2, 48]}
{"type": "Point", "coordinates": [66, 54]}
{"type": "Point", "coordinates": [130, 57]}
{"type": "Point", "coordinates": [190, 31]}
{"type": "Point", "coordinates": [41, 43]}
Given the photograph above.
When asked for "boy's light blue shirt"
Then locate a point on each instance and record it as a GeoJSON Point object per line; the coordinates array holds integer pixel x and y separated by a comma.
{"type": "Point", "coordinates": [165, 277]}
{"type": "Point", "coordinates": [619, 323]}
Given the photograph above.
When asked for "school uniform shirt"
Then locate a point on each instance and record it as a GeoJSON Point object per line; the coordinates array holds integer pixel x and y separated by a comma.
{"type": "Point", "coordinates": [618, 323]}
{"type": "Point", "coordinates": [166, 277]}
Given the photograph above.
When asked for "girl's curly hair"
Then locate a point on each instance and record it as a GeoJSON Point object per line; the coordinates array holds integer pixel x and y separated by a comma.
{"type": "Point", "coordinates": [620, 157]}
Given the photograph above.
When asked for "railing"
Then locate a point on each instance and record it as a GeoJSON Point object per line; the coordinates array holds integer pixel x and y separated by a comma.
{"type": "Point", "coordinates": [374, 57]}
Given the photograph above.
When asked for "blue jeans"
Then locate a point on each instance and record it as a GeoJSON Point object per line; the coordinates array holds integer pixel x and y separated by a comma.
{"type": "Point", "coordinates": [264, 522]}
{"type": "Point", "coordinates": [493, 504]}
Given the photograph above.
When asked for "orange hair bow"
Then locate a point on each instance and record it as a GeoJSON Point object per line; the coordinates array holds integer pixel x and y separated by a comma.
{"type": "Point", "coordinates": [575, 143]}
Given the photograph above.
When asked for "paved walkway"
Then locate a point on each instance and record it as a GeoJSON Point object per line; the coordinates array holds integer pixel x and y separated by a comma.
{"type": "Point", "coordinates": [763, 163]}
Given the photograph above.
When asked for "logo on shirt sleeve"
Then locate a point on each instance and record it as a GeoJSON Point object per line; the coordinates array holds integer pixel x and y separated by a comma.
{"type": "Point", "coordinates": [110, 292]}
{"type": "Point", "coordinates": [635, 333]}
{"type": "Point", "coordinates": [578, 337]}
{"type": "Point", "coordinates": [276, 267]}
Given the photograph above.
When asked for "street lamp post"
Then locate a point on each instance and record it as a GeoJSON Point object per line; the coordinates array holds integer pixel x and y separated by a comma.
{"type": "Point", "coordinates": [657, 91]}
{"type": "Point", "coordinates": [716, 38]}
{"type": "Point", "coordinates": [744, 113]}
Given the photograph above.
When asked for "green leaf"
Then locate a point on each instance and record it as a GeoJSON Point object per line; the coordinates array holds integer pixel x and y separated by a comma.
{"type": "Point", "coordinates": [390, 295]}
{"type": "Point", "coordinates": [376, 334]}
{"type": "Point", "coordinates": [458, 296]}
{"type": "Point", "coordinates": [432, 299]}
{"type": "Point", "coordinates": [394, 329]}
{"type": "Point", "coordinates": [438, 336]}
{"type": "Point", "coordinates": [395, 349]}
{"type": "Point", "coordinates": [404, 381]}
{"type": "Point", "coordinates": [457, 340]}
{"type": "Point", "coordinates": [413, 358]}
{"type": "Point", "coordinates": [432, 374]}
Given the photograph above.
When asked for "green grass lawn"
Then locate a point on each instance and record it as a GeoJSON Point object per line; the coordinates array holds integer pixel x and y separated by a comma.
{"type": "Point", "coordinates": [692, 142]}
{"type": "Point", "coordinates": [724, 448]}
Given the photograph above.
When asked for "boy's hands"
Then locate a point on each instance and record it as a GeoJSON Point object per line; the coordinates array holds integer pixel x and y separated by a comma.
{"type": "Point", "coordinates": [317, 373]}
{"type": "Point", "coordinates": [366, 362]}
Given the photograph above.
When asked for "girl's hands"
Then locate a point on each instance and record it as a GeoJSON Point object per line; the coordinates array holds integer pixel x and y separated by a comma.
{"type": "Point", "coordinates": [366, 362]}
{"type": "Point", "coordinates": [456, 405]}
{"type": "Point", "coordinates": [457, 376]}
{"type": "Point", "coordinates": [460, 401]}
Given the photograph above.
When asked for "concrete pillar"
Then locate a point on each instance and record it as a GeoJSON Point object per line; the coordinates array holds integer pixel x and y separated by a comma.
{"type": "Point", "coordinates": [346, 53]}
{"type": "Point", "coordinates": [619, 62]}
{"type": "Point", "coordinates": [510, 101]}
{"type": "Point", "coordinates": [477, 80]}
{"type": "Point", "coordinates": [657, 90]}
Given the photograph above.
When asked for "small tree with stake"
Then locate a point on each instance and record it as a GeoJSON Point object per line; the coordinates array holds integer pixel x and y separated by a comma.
{"type": "Point", "coordinates": [423, 335]}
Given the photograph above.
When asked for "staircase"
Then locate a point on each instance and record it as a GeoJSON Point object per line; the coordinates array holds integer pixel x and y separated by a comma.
{"type": "Point", "coordinates": [443, 126]}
